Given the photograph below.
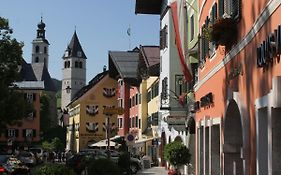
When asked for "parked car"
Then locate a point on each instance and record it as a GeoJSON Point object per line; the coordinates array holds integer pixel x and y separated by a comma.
{"type": "Point", "coordinates": [10, 165]}
{"type": "Point", "coordinates": [79, 161]}
{"type": "Point", "coordinates": [135, 163]}
{"type": "Point", "coordinates": [27, 158]}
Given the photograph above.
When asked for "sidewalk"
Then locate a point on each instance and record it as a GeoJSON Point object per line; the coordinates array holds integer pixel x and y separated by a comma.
{"type": "Point", "coordinates": [153, 171]}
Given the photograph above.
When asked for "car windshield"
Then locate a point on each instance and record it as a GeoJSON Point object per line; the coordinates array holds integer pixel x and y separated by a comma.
{"type": "Point", "coordinates": [3, 158]}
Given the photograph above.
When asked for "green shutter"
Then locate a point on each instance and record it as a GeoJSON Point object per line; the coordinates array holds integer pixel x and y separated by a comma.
{"type": "Point", "coordinates": [17, 133]}
{"type": "Point", "coordinates": [24, 133]}
{"type": "Point", "coordinates": [235, 9]}
{"type": "Point", "coordinates": [34, 132]}
{"type": "Point", "coordinates": [221, 8]}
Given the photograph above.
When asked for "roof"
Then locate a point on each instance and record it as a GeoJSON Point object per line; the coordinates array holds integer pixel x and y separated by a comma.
{"type": "Point", "coordinates": [73, 47]}
{"type": "Point", "coordinates": [30, 85]}
{"type": "Point", "coordinates": [151, 55]}
{"type": "Point", "coordinates": [126, 63]}
{"type": "Point", "coordinates": [148, 7]}
{"type": "Point", "coordinates": [37, 72]}
{"type": "Point", "coordinates": [91, 84]}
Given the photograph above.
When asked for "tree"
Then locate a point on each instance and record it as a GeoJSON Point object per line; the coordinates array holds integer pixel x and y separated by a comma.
{"type": "Point", "coordinates": [176, 154]}
{"type": "Point", "coordinates": [12, 103]}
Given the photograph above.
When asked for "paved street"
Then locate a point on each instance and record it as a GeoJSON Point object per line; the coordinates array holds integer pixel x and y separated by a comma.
{"type": "Point", "coordinates": [154, 171]}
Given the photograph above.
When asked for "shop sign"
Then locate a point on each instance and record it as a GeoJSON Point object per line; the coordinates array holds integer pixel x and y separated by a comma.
{"type": "Point", "coordinates": [269, 48]}
{"type": "Point", "coordinates": [206, 100]}
{"type": "Point", "coordinates": [113, 110]}
{"type": "Point", "coordinates": [176, 120]}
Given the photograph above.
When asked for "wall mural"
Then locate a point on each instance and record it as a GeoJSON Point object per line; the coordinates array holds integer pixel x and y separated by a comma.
{"type": "Point", "coordinates": [92, 127]}
{"type": "Point", "coordinates": [92, 110]}
{"type": "Point", "coordinates": [109, 92]}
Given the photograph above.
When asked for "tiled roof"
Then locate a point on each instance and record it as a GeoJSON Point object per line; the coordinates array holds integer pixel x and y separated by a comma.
{"type": "Point", "coordinates": [151, 55]}
{"type": "Point", "coordinates": [37, 72]}
{"type": "Point", "coordinates": [74, 46]}
{"type": "Point", "coordinates": [126, 63]}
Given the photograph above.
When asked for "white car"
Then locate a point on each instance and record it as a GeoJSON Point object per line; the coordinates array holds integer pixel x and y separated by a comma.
{"type": "Point", "coordinates": [28, 158]}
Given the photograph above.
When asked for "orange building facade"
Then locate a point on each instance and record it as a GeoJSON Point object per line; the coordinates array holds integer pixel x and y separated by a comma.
{"type": "Point", "coordinates": [238, 92]}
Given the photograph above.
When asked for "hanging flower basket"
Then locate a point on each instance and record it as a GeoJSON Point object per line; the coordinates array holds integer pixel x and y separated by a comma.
{"type": "Point", "coordinates": [224, 32]}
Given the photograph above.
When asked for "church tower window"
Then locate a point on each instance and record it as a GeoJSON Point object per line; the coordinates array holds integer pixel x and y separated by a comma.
{"type": "Point", "coordinates": [36, 59]}
{"type": "Point", "coordinates": [80, 64]}
{"type": "Point", "coordinates": [76, 64]}
{"type": "Point", "coordinates": [37, 49]}
{"type": "Point", "coordinates": [45, 49]}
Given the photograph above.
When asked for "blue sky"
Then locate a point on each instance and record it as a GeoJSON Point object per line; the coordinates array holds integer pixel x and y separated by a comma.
{"type": "Point", "coordinates": [100, 25]}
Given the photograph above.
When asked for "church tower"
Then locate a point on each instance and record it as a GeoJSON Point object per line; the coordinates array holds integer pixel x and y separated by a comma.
{"type": "Point", "coordinates": [74, 70]}
{"type": "Point", "coordinates": [40, 46]}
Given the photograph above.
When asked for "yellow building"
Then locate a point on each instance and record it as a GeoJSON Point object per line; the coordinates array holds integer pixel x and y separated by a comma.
{"type": "Point", "coordinates": [87, 123]}
{"type": "Point", "coordinates": [148, 110]}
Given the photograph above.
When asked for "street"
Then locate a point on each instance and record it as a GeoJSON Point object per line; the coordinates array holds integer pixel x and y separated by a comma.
{"type": "Point", "coordinates": [153, 171]}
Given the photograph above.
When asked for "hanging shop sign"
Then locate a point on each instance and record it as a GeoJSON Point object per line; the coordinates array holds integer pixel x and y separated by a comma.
{"type": "Point", "coordinates": [269, 48]}
{"type": "Point", "coordinates": [205, 101]}
{"type": "Point", "coordinates": [113, 110]}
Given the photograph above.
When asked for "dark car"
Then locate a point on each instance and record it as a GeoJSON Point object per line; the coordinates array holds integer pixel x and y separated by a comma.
{"type": "Point", "coordinates": [79, 161]}
{"type": "Point", "coordinates": [135, 164]}
{"type": "Point", "coordinates": [10, 165]}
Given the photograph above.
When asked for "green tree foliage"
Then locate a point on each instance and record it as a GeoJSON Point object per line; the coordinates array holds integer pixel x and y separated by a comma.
{"type": "Point", "coordinates": [55, 145]}
{"type": "Point", "coordinates": [45, 121]}
{"type": "Point", "coordinates": [12, 103]}
{"type": "Point", "coordinates": [54, 169]}
{"type": "Point", "coordinates": [176, 154]}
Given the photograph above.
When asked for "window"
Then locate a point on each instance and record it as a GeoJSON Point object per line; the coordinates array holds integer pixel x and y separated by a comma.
{"type": "Point", "coordinates": [30, 97]}
{"type": "Point", "coordinates": [136, 98]}
{"type": "Point", "coordinates": [139, 98]}
{"type": "Point", "coordinates": [37, 49]}
{"type": "Point", "coordinates": [45, 49]}
{"type": "Point", "coordinates": [149, 96]}
{"type": "Point", "coordinates": [120, 122]}
{"type": "Point", "coordinates": [230, 8]}
{"type": "Point", "coordinates": [163, 38]}
{"type": "Point", "coordinates": [36, 59]}
{"type": "Point", "coordinates": [120, 103]}
{"type": "Point", "coordinates": [12, 132]}
{"type": "Point", "coordinates": [80, 64]}
{"type": "Point", "coordinates": [181, 87]}
{"type": "Point", "coordinates": [29, 133]}
{"type": "Point", "coordinates": [191, 27]}
{"type": "Point", "coordinates": [137, 121]}
{"type": "Point", "coordinates": [76, 64]}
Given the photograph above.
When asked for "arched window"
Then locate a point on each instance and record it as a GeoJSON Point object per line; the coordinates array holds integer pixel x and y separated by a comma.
{"type": "Point", "coordinates": [68, 64]}
{"type": "Point", "coordinates": [80, 64]}
{"type": "Point", "coordinates": [76, 64]}
{"type": "Point", "coordinates": [36, 59]}
{"type": "Point", "coordinates": [37, 49]}
{"type": "Point", "coordinates": [45, 49]}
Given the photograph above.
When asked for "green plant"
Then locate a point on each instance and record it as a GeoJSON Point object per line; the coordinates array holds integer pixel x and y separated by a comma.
{"type": "Point", "coordinates": [176, 154]}
{"type": "Point", "coordinates": [103, 167]}
{"type": "Point", "coordinates": [54, 169]}
{"type": "Point", "coordinates": [224, 32]}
